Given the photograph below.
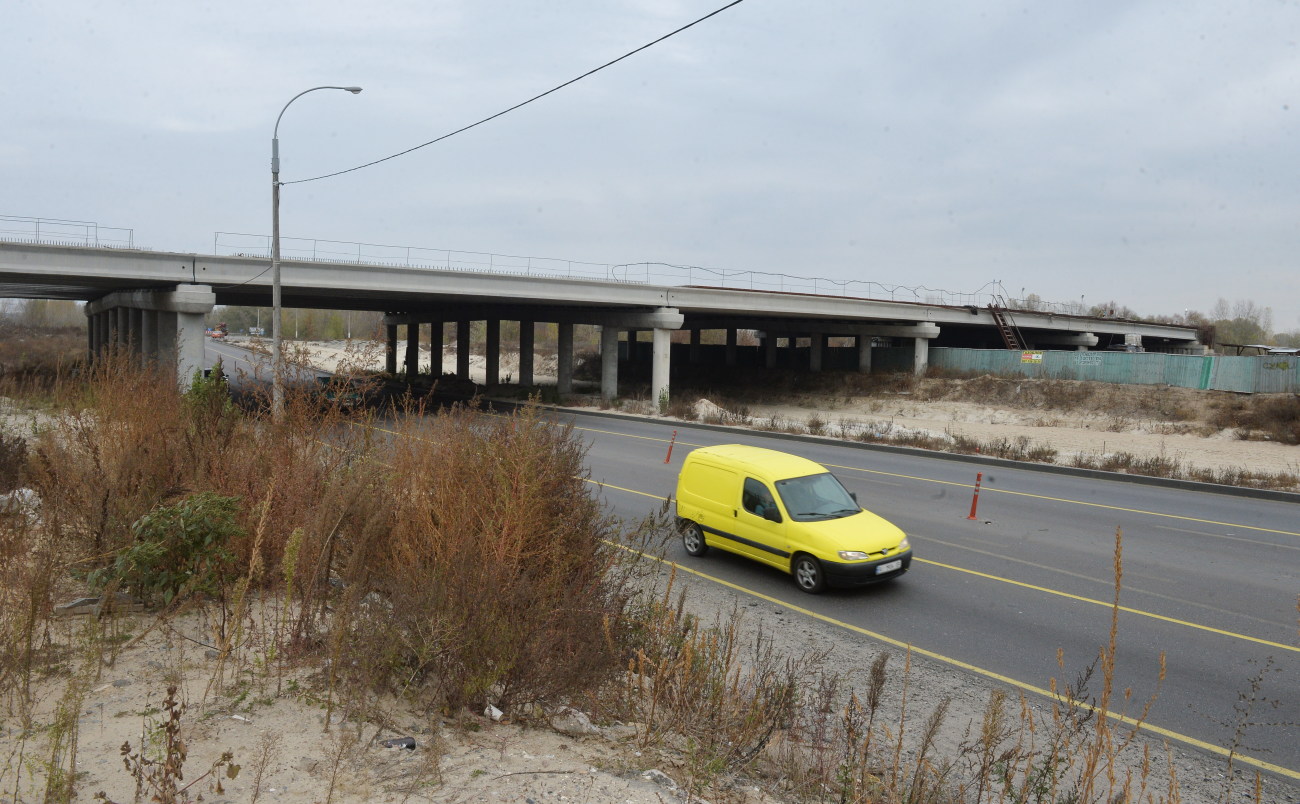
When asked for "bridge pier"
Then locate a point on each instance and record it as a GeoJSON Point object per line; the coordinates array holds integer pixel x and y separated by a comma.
{"type": "Point", "coordinates": [608, 363]}
{"type": "Point", "coordinates": [462, 348]}
{"type": "Point", "coordinates": [148, 336]}
{"type": "Point", "coordinates": [661, 345]}
{"type": "Point", "coordinates": [863, 345]}
{"type": "Point", "coordinates": [390, 349]}
{"type": "Point", "coordinates": [437, 338]}
{"type": "Point", "coordinates": [920, 355]}
{"type": "Point", "coordinates": [161, 326]}
{"type": "Point", "coordinates": [526, 352]}
{"type": "Point", "coordinates": [492, 351]}
{"type": "Point", "coordinates": [412, 351]}
{"type": "Point", "coordinates": [816, 343]}
{"type": "Point", "coordinates": [564, 358]}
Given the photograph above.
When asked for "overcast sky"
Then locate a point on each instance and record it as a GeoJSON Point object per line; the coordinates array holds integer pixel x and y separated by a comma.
{"type": "Point", "coordinates": [1141, 152]}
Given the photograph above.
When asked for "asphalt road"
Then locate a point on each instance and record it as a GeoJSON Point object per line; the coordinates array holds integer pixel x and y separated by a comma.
{"type": "Point", "coordinates": [1210, 580]}
{"type": "Point", "coordinates": [245, 368]}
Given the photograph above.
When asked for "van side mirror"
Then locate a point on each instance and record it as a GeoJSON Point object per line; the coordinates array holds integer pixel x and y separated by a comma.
{"type": "Point", "coordinates": [771, 514]}
{"type": "Point", "coordinates": [854, 495]}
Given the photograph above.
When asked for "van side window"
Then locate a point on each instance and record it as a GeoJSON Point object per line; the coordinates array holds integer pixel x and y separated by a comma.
{"type": "Point", "coordinates": [756, 499]}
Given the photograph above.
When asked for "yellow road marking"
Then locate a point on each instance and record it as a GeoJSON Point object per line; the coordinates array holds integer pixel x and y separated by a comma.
{"type": "Point", "coordinates": [605, 485]}
{"type": "Point", "coordinates": [1125, 719]}
{"type": "Point", "coordinates": [1108, 605]}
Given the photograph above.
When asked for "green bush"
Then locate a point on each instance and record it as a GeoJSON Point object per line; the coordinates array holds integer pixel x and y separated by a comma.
{"type": "Point", "coordinates": [178, 550]}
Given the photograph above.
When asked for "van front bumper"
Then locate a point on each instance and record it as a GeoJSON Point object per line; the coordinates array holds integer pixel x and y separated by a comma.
{"type": "Point", "coordinates": [862, 573]}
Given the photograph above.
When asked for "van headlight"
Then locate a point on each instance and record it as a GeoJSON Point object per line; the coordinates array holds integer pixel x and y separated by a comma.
{"type": "Point", "coordinates": [904, 545]}
{"type": "Point", "coordinates": [853, 555]}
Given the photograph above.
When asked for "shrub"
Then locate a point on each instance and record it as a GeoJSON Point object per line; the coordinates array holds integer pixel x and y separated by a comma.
{"type": "Point", "coordinates": [491, 583]}
{"type": "Point", "coordinates": [178, 550]}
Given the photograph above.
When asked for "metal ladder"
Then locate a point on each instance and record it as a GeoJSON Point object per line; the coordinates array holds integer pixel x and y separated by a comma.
{"type": "Point", "coordinates": [1006, 326]}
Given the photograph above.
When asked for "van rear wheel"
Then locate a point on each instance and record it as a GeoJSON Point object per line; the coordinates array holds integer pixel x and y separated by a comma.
{"type": "Point", "coordinates": [808, 575]}
{"type": "Point", "coordinates": [693, 540]}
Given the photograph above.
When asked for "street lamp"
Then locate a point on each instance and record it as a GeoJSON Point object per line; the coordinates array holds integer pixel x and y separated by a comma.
{"type": "Point", "coordinates": [277, 363]}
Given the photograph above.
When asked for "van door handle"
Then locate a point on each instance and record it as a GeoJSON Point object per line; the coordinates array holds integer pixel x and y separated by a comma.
{"type": "Point", "coordinates": [735, 512]}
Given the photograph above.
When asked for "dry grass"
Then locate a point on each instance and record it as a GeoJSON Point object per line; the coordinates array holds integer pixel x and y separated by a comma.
{"type": "Point", "coordinates": [32, 360]}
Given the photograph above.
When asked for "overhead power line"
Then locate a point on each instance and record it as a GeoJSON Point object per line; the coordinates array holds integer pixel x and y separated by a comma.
{"type": "Point", "coordinates": [524, 103]}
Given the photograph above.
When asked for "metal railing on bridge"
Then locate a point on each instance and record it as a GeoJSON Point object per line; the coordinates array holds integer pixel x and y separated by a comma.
{"type": "Point", "coordinates": [657, 273]}
{"type": "Point", "coordinates": [55, 231]}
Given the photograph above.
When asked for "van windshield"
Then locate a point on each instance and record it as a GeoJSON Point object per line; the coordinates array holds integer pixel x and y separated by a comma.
{"type": "Point", "coordinates": [816, 497]}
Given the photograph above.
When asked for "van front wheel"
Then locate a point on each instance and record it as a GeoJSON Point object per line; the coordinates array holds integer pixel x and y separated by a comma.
{"type": "Point", "coordinates": [693, 540]}
{"type": "Point", "coordinates": [808, 575]}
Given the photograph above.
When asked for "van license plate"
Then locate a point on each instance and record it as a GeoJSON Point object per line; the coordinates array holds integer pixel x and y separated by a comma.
{"type": "Point", "coordinates": [890, 567]}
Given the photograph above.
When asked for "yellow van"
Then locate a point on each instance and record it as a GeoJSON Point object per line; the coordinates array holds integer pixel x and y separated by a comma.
{"type": "Point", "coordinates": [787, 512]}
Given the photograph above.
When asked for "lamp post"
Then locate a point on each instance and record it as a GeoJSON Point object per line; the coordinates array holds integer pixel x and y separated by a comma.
{"type": "Point", "coordinates": [277, 362]}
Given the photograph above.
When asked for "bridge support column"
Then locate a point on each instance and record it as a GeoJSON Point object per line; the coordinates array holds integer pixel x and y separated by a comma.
{"type": "Point", "coordinates": [390, 350]}
{"type": "Point", "coordinates": [863, 344]}
{"type": "Point", "coordinates": [169, 341]}
{"type": "Point", "coordinates": [526, 353]}
{"type": "Point", "coordinates": [693, 357]}
{"type": "Point", "coordinates": [123, 329]}
{"type": "Point", "coordinates": [133, 318]}
{"type": "Point", "coordinates": [608, 363]}
{"type": "Point", "coordinates": [148, 336]}
{"type": "Point", "coordinates": [816, 344]}
{"type": "Point", "coordinates": [769, 350]}
{"type": "Point", "coordinates": [412, 351]}
{"type": "Point", "coordinates": [564, 358]}
{"type": "Point", "coordinates": [436, 337]}
{"type": "Point", "coordinates": [110, 330]}
{"type": "Point", "coordinates": [661, 344]}
{"type": "Point", "coordinates": [731, 346]}
{"type": "Point", "coordinates": [462, 349]}
{"type": "Point", "coordinates": [492, 348]}
{"type": "Point", "coordinates": [189, 346]}
{"type": "Point", "coordinates": [630, 337]}
{"type": "Point", "coordinates": [169, 322]}
{"type": "Point", "coordinates": [920, 355]}
{"type": "Point", "coordinates": [93, 337]}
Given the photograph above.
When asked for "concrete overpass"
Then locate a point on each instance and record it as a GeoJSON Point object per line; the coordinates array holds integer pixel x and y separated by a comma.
{"type": "Point", "coordinates": [155, 302]}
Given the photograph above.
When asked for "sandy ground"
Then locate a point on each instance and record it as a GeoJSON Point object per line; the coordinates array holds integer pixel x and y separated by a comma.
{"type": "Point", "coordinates": [287, 754]}
{"type": "Point", "coordinates": [1070, 433]}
